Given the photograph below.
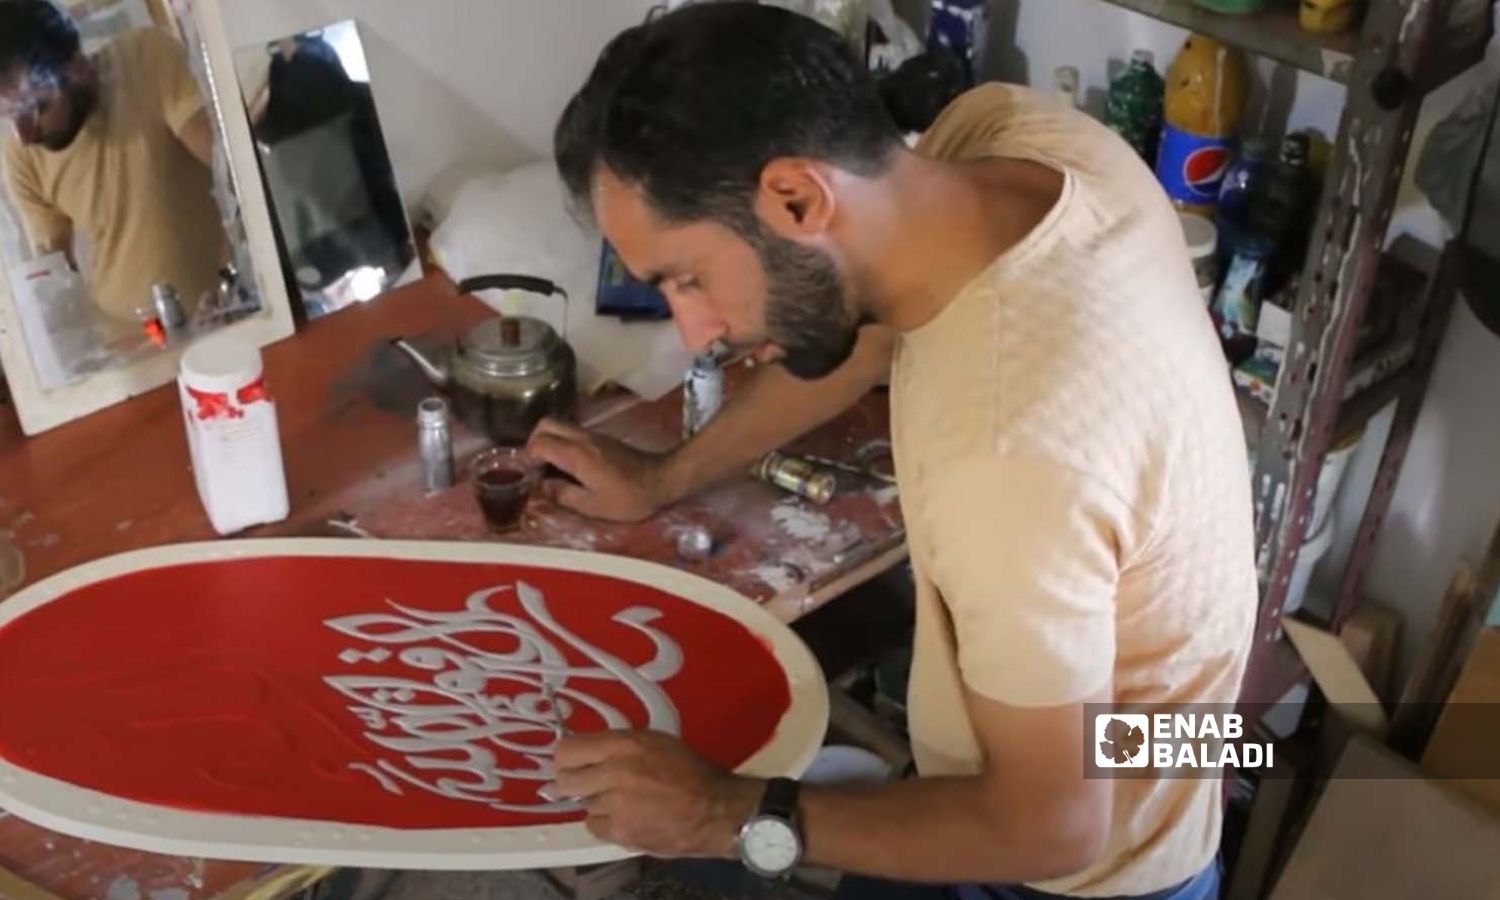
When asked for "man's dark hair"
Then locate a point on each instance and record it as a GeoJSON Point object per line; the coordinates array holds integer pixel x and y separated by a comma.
{"type": "Point", "coordinates": [38, 34]}
{"type": "Point", "coordinates": [693, 105]}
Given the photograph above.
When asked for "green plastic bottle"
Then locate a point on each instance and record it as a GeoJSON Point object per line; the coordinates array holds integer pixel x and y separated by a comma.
{"type": "Point", "coordinates": [1134, 106]}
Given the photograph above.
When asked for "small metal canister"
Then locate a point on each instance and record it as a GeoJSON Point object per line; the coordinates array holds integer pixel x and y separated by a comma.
{"type": "Point", "coordinates": [803, 478]}
{"type": "Point", "coordinates": [702, 392]}
{"type": "Point", "coordinates": [168, 306]}
{"type": "Point", "coordinates": [435, 443]}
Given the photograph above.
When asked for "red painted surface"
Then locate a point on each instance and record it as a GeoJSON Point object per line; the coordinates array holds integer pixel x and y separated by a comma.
{"type": "Point", "coordinates": [203, 687]}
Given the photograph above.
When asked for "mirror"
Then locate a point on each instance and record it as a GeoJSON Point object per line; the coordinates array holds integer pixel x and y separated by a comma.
{"type": "Point", "coordinates": [122, 234]}
{"type": "Point", "coordinates": [341, 227]}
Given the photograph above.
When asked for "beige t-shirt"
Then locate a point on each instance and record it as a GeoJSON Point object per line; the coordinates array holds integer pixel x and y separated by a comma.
{"type": "Point", "coordinates": [127, 186]}
{"type": "Point", "coordinates": [1074, 479]}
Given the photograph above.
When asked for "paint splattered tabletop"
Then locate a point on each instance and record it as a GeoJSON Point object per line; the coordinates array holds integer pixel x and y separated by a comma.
{"type": "Point", "coordinates": [770, 545]}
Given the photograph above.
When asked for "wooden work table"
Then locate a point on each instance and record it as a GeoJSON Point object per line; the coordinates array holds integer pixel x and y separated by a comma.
{"type": "Point", "coordinates": [120, 480]}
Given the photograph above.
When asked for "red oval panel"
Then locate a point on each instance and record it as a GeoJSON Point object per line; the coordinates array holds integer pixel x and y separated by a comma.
{"type": "Point", "coordinates": [397, 693]}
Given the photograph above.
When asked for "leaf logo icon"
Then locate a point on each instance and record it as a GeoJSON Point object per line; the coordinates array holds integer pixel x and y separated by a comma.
{"type": "Point", "coordinates": [1122, 742]}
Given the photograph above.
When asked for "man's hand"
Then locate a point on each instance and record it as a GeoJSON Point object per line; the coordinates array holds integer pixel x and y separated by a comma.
{"type": "Point", "coordinates": [650, 793]}
{"type": "Point", "coordinates": [615, 481]}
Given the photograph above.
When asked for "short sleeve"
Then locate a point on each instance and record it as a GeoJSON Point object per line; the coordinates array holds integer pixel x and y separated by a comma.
{"type": "Point", "coordinates": [46, 226]}
{"type": "Point", "coordinates": [1026, 554]}
{"type": "Point", "coordinates": [181, 99]}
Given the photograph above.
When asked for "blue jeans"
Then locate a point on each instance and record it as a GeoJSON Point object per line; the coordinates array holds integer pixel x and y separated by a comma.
{"type": "Point", "coordinates": [1203, 886]}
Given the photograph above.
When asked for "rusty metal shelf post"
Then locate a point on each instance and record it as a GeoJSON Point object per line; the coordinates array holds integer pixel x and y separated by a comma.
{"type": "Point", "coordinates": [1358, 198]}
{"type": "Point", "coordinates": [1405, 50]}
{"type": "Point", "coordinates": [1441, 293]}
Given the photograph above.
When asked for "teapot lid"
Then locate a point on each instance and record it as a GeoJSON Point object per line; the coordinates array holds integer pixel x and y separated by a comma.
{"type": "Point", "coordinates": [512, 346]}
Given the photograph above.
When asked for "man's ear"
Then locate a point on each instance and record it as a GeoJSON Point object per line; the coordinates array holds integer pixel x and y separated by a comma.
{"type": "Point", "coordinates": [79, 68]}
{"type": "Point", "coordinates": [795, 198]}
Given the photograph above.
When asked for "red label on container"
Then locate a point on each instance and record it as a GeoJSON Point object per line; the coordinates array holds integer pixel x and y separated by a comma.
{"type": "Point", "coordinates": [209, 405]}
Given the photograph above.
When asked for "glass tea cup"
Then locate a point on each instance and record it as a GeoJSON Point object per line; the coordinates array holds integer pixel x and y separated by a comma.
{"type": "Point", "coordinates": [504, 478]}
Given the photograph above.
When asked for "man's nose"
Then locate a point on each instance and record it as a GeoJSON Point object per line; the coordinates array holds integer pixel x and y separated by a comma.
{"type": "Point", "coordinates": [699, 325]}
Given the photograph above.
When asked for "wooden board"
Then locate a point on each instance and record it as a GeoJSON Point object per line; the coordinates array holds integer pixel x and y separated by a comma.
{"type": "Point", "coordinates": [369, 703]}
{"type": "Point", "coordinates": [1435, 669]}
{"type": "Point", "coordinates": [1463, 745]}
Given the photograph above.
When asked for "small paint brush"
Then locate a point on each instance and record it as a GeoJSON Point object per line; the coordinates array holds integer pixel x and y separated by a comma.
{"type": "Point", "coordinates": [549, 791]}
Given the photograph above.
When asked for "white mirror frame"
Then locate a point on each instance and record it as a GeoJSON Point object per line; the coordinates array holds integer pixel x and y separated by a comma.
{"type": "Point", "coordinates": [40, 409]}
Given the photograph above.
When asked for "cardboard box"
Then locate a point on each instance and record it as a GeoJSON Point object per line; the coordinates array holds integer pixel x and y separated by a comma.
{"type": "Point", "coordinates": [1338, 676]}
{"type": "Point", "coordinates": [1464, 743]}
{"type": "Point", "coordinates": [1382, 831]}
{"type": "Point", "coordinates": [1372, 635]}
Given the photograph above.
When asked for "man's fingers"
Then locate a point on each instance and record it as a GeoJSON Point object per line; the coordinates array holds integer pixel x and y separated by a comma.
{"type": "Point", "coordinates": [587, 782]}
{"type": "Point", "coordinates": [577, 751]}
{"type": "Point", "coordinates": [567, 454]}
{"type": "Point", "coordinates": [559, 428]}
{"type": "Point", "coordinates": [603, 828]}
{"type": "Point", "coordinates": [570, 496]}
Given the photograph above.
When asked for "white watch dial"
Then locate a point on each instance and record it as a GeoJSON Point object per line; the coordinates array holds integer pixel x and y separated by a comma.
{"type": "Point", "coordinates": [771, 845]}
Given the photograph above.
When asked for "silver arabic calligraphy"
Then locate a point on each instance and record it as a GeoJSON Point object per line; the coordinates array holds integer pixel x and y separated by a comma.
{"type": "Point", "coordinates": [446, 734]}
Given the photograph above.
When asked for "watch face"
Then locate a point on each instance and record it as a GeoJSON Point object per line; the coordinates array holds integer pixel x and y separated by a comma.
{"type": "Point", "coordinates": [771, 846]}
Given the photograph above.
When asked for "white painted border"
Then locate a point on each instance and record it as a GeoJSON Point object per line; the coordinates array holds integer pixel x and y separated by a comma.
{"type": "Point", "coordinates": [100, 817]}
{"type": "Point", "coordinates": [40, 409]}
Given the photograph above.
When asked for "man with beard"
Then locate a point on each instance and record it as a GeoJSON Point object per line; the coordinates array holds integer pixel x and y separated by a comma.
{"type": "Point", "coordinates": [110, 157]}
{"type": "Point", "coordinates": [1071, 461]}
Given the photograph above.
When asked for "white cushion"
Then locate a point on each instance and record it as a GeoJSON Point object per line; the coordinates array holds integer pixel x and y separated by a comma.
{"type": "Point", "coordinates": [518, 222]}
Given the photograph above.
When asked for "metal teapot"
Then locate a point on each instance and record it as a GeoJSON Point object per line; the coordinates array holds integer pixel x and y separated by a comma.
{"type": "Point", "coordinates": [508, 373]}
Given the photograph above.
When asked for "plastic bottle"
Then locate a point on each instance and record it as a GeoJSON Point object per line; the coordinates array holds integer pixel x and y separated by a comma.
{"type": "Point", "coordinates": [1134, 106]}
{"type": "Point", "coordinates": [1236, 309]}
{"type": "Point", "coordinates": [1326, 16]}
{"type": "Point", "coordinates": [1282, 211]}
{"type": "Point", "coordinates": [1205, 100]}
{"type": "Point", "coordinates": [1065, 81]}
{"type": "Point", "coordinates": [232, 434]}
{"type": "Point", "coordinates": [1242, 183]}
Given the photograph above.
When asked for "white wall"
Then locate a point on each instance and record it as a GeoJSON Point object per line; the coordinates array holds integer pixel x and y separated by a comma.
{"type": "Point", "coordinates": [1447, 501]}
{"type": "Point", "coordinates": [457, 81]}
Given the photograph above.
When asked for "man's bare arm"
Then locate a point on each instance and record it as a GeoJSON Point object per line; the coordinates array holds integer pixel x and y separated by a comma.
{"type": "Point", "coordinates": [198, 137]}
{"type": "Point", "coordinates": [1028, 815]}
{"type": "Point", "coordinates": [771, 409]}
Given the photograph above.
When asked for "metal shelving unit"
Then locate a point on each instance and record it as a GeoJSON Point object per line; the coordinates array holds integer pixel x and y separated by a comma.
{"type": "Point", "coordinates": [1341, 370]}
{"type": "Point", "coordinates": [1274, 35]}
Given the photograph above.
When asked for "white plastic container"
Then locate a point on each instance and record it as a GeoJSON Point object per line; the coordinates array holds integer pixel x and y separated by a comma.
{"type": "Point", "coordinates": [1330, 477]}
{"type": "Point", "coordinates": [1202, 237]}
{"type": "Point", "coordinates": [1312, 552]}
{"type": "Point", "coordinates": [232, 434]}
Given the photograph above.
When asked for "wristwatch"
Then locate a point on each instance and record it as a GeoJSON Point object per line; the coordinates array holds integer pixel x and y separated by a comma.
{"type": "Point", "coordinates": [770, 842]}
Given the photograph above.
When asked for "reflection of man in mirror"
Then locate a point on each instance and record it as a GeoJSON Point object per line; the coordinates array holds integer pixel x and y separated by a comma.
{"type": "Point", "coordinates": [110, 157]}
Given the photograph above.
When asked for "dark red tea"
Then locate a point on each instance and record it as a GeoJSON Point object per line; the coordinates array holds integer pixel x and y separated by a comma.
{"type": "Point", "coordinates": [502, 495]}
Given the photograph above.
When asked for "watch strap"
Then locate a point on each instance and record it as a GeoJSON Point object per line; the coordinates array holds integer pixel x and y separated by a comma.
{"type": "Point", "coordinates": [780, 799]}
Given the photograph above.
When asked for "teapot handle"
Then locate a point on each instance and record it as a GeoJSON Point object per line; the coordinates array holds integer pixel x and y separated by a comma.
{"type": "Point", "coordinates": [511, 283]}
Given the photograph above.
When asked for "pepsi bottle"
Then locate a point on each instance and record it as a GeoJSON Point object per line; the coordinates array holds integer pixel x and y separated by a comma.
{"type": "Point", "coordinates": [1205, 101]}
